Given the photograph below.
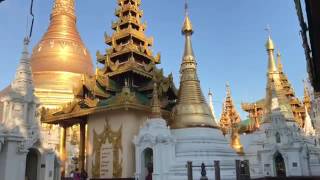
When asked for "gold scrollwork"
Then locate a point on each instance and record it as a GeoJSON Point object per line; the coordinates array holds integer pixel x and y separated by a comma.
{"type": "Point", "coordinates": [115, 139]}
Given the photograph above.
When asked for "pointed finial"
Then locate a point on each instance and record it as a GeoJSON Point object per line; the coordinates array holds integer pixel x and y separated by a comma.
{"type": "Point", "coordinates": [187, 25]}
{"type": "Point", "coordinates": [270, 49]}
{"type": "Point", "coordinates": [278, 53]}
{"type": "Point", "coordinates": [155, 103]}
{"type": "Point", "coordinates": [26, 41]}
{"type": "Point", "coordinates": [306, 90]}
{"type": "Point", "coordinates": [228, 89]}
{"type": "Point", "coordinates": [279, 63]}
{"type": "Point", "coordinates": [269, 44]}
{"type": "Point", "coordinates": [210, 93]}
{"type": "Point", "coordinates": [268, 29]}
{"type": "Point", "coordinates": [186, 7]}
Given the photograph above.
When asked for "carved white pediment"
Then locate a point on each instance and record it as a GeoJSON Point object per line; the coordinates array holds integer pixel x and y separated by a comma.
{"type": "Point", "coordinates": [147, 138]}
{"type": "Point", "coordinates": [154, 131]}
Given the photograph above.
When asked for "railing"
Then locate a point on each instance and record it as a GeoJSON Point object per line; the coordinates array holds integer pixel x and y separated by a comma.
{"type": "Point", "coordinates": [242, 170]}
{"type": "Point", "coordinates": [216, 166]}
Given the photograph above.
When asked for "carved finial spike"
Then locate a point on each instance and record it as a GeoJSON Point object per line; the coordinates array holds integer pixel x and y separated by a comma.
{"type": "Point", "coordinates": [228, 89]}
{"type": "Point", "coordinates": [186, 7]}
{"type": "Point", "coordinates": [268, 29]}
{"type": "Point", "coordinates": [155, 103]}
{"type": "Point", "coordinates": [26, 41]}
{"type": "Point", "coordinates": [187, 25]}
{"type": "Point", "coordinates": [269, 44]}
{"type": "Point", "coordinates": [279, 63]}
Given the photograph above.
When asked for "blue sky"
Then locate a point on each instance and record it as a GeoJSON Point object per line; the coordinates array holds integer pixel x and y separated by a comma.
{"type": "Point", "coordinates": [228, 41]}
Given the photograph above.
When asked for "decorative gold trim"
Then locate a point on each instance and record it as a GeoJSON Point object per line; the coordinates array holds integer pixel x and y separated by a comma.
{"type": "Point", "coordinates": [114, 138]}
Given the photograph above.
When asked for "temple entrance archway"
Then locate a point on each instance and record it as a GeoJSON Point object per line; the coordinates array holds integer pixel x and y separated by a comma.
{"type": "Point", "coordinates": [280, 167]}
{"type": "Point", "coordinates": [32, 164]}
{"type": "Point", "coordinates": [147, 164]}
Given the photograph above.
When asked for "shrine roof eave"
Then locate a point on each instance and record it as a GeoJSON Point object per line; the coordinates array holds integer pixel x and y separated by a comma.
{"type": "Point", "coordinates": [120, 53]}
{"type": "Point", "coordinates": [131, 69]}
{"type": "Point", "coordinates": [65, 118]}
{"type": "Point", "coordinates": [75, 116]}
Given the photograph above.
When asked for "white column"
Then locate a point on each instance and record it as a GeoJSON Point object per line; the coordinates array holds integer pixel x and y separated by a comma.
{"type": "Point", "coordinates": [49, 165]}
{"type": "Point", "coordinates": [14, 162]}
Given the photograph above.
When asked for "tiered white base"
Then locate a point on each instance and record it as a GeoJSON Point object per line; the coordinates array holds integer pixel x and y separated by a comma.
{"type": "Point", "coordinates": [172, 149]}
{"type": "Point", "coordinates": [202, 145]}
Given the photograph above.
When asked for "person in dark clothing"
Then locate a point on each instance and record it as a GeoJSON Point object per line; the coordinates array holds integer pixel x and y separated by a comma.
{"type": "Point", "coordinates": [150, 171]}
{"type": "Point", "coordinates": [84, 175]}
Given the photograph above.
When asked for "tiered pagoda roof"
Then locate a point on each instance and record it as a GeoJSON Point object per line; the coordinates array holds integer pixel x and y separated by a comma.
{"type": "Point", "coordinates": [230, 121]}
{"type": "Point", "coordinates": [229, 116]}
{"type": "Point", "coordinates": [125, 74]}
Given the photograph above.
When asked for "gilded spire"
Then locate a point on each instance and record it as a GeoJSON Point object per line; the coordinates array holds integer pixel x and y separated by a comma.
{"type": "Point", "coordinates": [271, 63]}
{"type": "Point", "coordinates": [269, 44]}
{"type": "Point", "coordinates": [155, 103]}
{"type": "Point", "coordinates": [279, 63]}
{"type": "Point", "coordinates": [273, 83]}
{"type": "Point", "coordinates": [270, 49]}
{"type": "Point", "coordinates": [229, 116]}
{"type": "Point", "coordinates": [230, 120]}
{"type": "Point", "coordinates": [64, 7]}
{"type": "Point", "coordinates": [191, 109]}
{"type": "Point", "coordinates": [188, 57]}
{"type": "Point", "coordinates": [276, 99]}
{"type": "Point", "coordinates": [60, 58]}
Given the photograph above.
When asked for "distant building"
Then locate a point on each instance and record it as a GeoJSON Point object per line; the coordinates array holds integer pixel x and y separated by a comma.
{"type": "Point", "coordinates": [280, 147]}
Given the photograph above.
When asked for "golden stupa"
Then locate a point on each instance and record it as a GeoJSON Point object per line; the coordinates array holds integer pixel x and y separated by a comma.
{"type": "Point", "coordinates": [191, 109]}
{"type": "Point", "coordinates": [60, 58]}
